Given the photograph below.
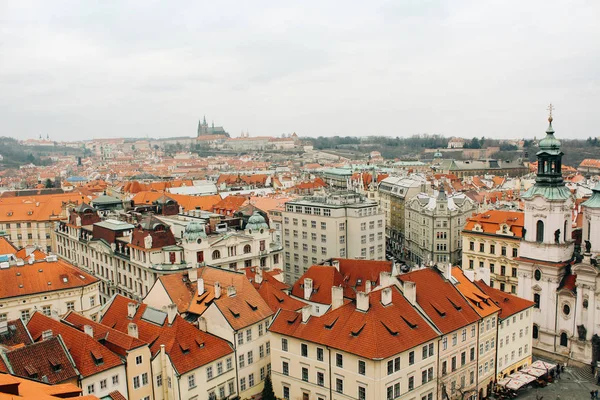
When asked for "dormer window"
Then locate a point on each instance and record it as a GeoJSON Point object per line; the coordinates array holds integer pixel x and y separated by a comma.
{"type": "Point", "coordinates": [97, 357]}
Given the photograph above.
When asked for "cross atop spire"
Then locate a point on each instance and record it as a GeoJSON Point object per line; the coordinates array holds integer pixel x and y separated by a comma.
{"type": "Point", "coordinates": [550, 109]}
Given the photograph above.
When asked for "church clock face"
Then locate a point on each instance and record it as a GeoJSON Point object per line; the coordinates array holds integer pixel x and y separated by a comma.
{"type": "Point", "coordinates": [537, 275]}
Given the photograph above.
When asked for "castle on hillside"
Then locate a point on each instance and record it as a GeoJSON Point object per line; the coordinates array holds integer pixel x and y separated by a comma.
{"type": "Point", "coordinates": [204, 129]}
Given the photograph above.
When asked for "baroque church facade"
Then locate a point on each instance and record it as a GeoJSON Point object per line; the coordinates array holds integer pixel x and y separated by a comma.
{"type": "Point", "coordinates": [562, 284]}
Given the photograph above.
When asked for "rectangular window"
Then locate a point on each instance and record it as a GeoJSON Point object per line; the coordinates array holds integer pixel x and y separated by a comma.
{"type": "Point", "coordinates": [251, 380]}
{"type": "Point", "coordinates": [304, 350]}
{"type": "Point", "coordinates": [362, 367]}
{"type": "Point", "coordinates": [284, 344]}
{"type": "Point", "coordinates": [138, 360]}
{"type": "Point", "coordinates": [250, 357]}
{"type": "Point", "coordinates": [241, 361]}
{"type": "Point", "coordinates": [362, 393]}
{"type": "Point", "coordinates": [339, 385]}
{"type": "Point", "coordinates": [515, 252]}
{"type": "Point", "coordinates": [242, 384]}
{"type": "Point", "coordinates": [136, 382]}
{"type": "Point", "coordinates": [411, 358]}
{"type": "Point", "coordinates": [339, 360]}
{"type": "Point", "coordinates": [319, 354]}
{"type": "Point", "coordinates": [285, 368]}
{"type": "Point", "coordinates": [103, 384]}
{"type": "Point", "coordinates": [411, 383]}
{"type": "Point", "coordinates": [305, 374]}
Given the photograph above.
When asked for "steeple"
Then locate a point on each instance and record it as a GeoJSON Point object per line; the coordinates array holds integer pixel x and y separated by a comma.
{"type": "Point", "coordinates": [549, 157]}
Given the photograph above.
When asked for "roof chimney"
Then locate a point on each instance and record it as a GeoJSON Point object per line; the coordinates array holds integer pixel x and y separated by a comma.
{"type": "Point", "coordinates": [484, 275]}
{"type": "Point", "coordinates": [470, 274]}
{"type": "Point", "coordinates": [193, 274]}
{"type": "Point", "coordinates": [200, 286]}
{"type": "Point", "coordinates": [47, 334]}
{"type": "Point", "coordinates": [54, 315]}
{"type": "Point", "coordinates": [230, 291]}
{"type": "Point", "coordinates": [362, 301]}
{"type": "Point", "coordinates": [217, 287]}
{"type": "Point", "coordinates": [367, 286]}
{"type": "Point", "coordinates": [447, 271]}
{"type": "Point", "coordinates": [132, 330]}
{"type": "Point", "coordinates": [171, 312]}
{"type": "Point", "coordinates": [385, 279]}
{"type": "Point", "coordinates": [202, 324]}
{"type": "Point", "coordinates": [308, 288]}
{"type": "Point", "coordinates": [337, 297]}
{"type": "Point", "coordinates": [131, 308]}
{"type": "Point", "coordinates": [410, 292]}
{"type": "Point", "coordinates": [336, 264]}
{"type": "Point", "coordinates": [386, 296]}
{"type": "Point", "coordinates": [258, 277]}
{"type": "Point", "coordinates": [88, 330]}
{"type": "Point", "coordinates": [306, 313]}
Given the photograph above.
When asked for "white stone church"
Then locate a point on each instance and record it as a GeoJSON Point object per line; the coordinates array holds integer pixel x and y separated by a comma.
{"type": "Point", "coordinates": [565, 287]}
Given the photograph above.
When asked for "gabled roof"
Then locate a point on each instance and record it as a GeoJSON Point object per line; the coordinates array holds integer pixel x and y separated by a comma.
{"type": "Point", "coordinates": [381, 332]}
{"type": "Point", "coordinates": [28, 389]}
{"type": "Point", "coordinates": [115, 340]}
{"type": "Point", "coordinates": [441, 301]}
{"type": "Point", "coordinates": [6, 247]}
{"type": "Point", "coordinates": [90, 356]}
{"type": "Point", "coordinates": [47, 358]}
{"type": "Point", "coordinates": [491, 221]}
{"type": "Point", "coordinates": [187, 346]}
{"type": "Point", "coordinates": [479, 301]}
{"type": "Point", "coordinates": [324, 277]}
{"type": "Point", "coordinates": [509, 304]}
{"type": "Point", "coordinates": [16, 334]}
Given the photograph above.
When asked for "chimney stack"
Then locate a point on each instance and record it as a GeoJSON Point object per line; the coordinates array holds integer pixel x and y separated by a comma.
{"type": "Point", "coordinates": [88, 330]}
{"type": "Point", "coordinates": [131, 308]}
{"type": "Point", "coordinates": [193, 274]}
{"type": "Point", "coordinates": [200, 286]}
{"type": "Point", "coordinates": [132, 330]}
{"type": "Point", "coordinates": [337, 297]}
{"type": "Point", "coordinates": [385, 279]}
{"type": "Point", "coordinates": [362, 301]}
{"type": "Point", "coordinates": [484, 275]}
{"type": "Point", "coordinates": [202, 324]}
{"type": "Point", "coordinates": [410, 292]}
{"type": "Point", "coordinates": [258, 277]}
{"type": "Point", "coordinates": [306, 313]}
{"type": "Point", "coordinates": [470, 274]}
{"type": "Point", "coordinates": [217, 287]}
{"type": "Point", "coordinates": [54, 315]}
{"type": "Point", "coordinates": [386, 296]}
{"type": "Point", "coordinates": [336, 264]}
{"type": "Point", "coordinates": [367, 286]}
{"type": "Point", "coordinates": [171, 312]}
{"type": "Point", "coordinates": [308, 288]}
{"type": "Point", "coordinates": [231, 291]}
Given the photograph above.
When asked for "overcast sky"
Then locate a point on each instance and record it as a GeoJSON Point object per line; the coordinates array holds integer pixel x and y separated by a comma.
{"type": "Point", "coordinates": [92, 69]}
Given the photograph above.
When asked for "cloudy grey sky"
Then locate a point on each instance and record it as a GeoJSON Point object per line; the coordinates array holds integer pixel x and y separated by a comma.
{"type": "Point", "coordinates": [91, 69]}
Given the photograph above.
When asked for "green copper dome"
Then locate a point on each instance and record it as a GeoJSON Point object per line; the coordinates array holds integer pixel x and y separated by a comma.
{"type": "Point", "coordinates": [256, 222]}
{"type": "Point", "coordinates": [594, 201]}
{"type": "Point", "coordinates": [194, 231]}
{"type": "Point", "coordinates": [550, 144]}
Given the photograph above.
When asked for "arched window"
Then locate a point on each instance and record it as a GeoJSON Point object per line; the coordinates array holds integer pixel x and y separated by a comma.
{"type": "Point", "coordinates": [535, 332]}
{"type": "Point", "coordinates": [247, 249]}
{"type": "Point", "coordinates": [216, 255]}
{"type": "Point", "coordinates": [536, 300]}
{"type": "Point", "coordinates": [564, 341]}
{"type": "Point", "coordinates": [539, 234]}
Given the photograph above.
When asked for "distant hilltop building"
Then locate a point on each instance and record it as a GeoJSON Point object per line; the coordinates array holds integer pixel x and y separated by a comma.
{"type": "Point", "coordinates": [204, 129]}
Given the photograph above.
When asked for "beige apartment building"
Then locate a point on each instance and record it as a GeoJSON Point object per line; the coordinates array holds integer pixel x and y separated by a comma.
{"type": "Point", "coordinates": [340, 224]}
{"type": "Point", "coordinates": [491, 240]}
{"type": "Point", "coordinates": [433, 227]}
{"type": "Point", "coordinates": [358, 350]}
{"type": "Point", "coordinates": [394, 193]}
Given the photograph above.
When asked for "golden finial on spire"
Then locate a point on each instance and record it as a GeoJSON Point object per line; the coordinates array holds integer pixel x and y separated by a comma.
{"type": "Point", "coordinates": [550, 109]}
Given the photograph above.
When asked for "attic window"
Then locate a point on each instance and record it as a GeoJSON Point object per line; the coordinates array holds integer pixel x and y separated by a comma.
{"type": "Point", "coordinates": [97, 356]}
{"type": "Point", "coordinates": [56, 365]}
{"type": "Point", "coordinates": [392, 332]}
{"type": "Point", "coordinates": [9, 214]}
{"type": "Point", "coordinates": [439, 310]}
{"type": "Point", "coordinates": [184, 348]}
{"type": "Point", "coordinates": [411, 325]}
{"type": "Point", "coordinates": [235, 314]}
{"type": "Point", "coordinates": [279, 299]}
{"type": "Point", "coordinates": [330, 326]}
{"type": "Point", "coordinates": [200, 343]}
{"type": "Point", "coordinates": [65, 279]}
{"type": "Point", "coordinates": [29, 212]}
{"type": "Point", "coordinates": [358, 331]}
{"type": "Point", "coordinates": [253, 307]}
{"type": "Point", "coordinates": [291, 321]}
{"type": "Point", "coordinates": [31, 371]}
{"type": "Point", "coordinates": [457, 307]}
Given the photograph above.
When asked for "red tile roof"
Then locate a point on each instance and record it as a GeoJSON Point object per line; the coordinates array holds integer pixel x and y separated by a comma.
{"type": "Point", "coordinates": [440, 300]}
{"type": "Point", "coordinates": [188, 348]}
{"type": "Point", "coordinates": [47, 358]}
{"type": "Point", "coordinates": [508, 303]}
{"type": "Point", "coordinates": [381, 332]}
{"type": "Point", "coordinates": [84, 349]}
{"type": "Point", "coordinates": [490, 222]}
{"type": "Point", "coordinates": [6, 247]}
{"type": "Point", "coordinates": [41, 277]}
{"type": "Point", "coordinates": [117, 341]}
{"type": "Point", "coordinates": [17, 335]}
{"type": "Point", "coordinates": [479, 301]}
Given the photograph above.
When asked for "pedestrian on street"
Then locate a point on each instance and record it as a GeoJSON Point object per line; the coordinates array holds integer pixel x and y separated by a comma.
{"type": "Point", "coordinates": [596, 393]}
